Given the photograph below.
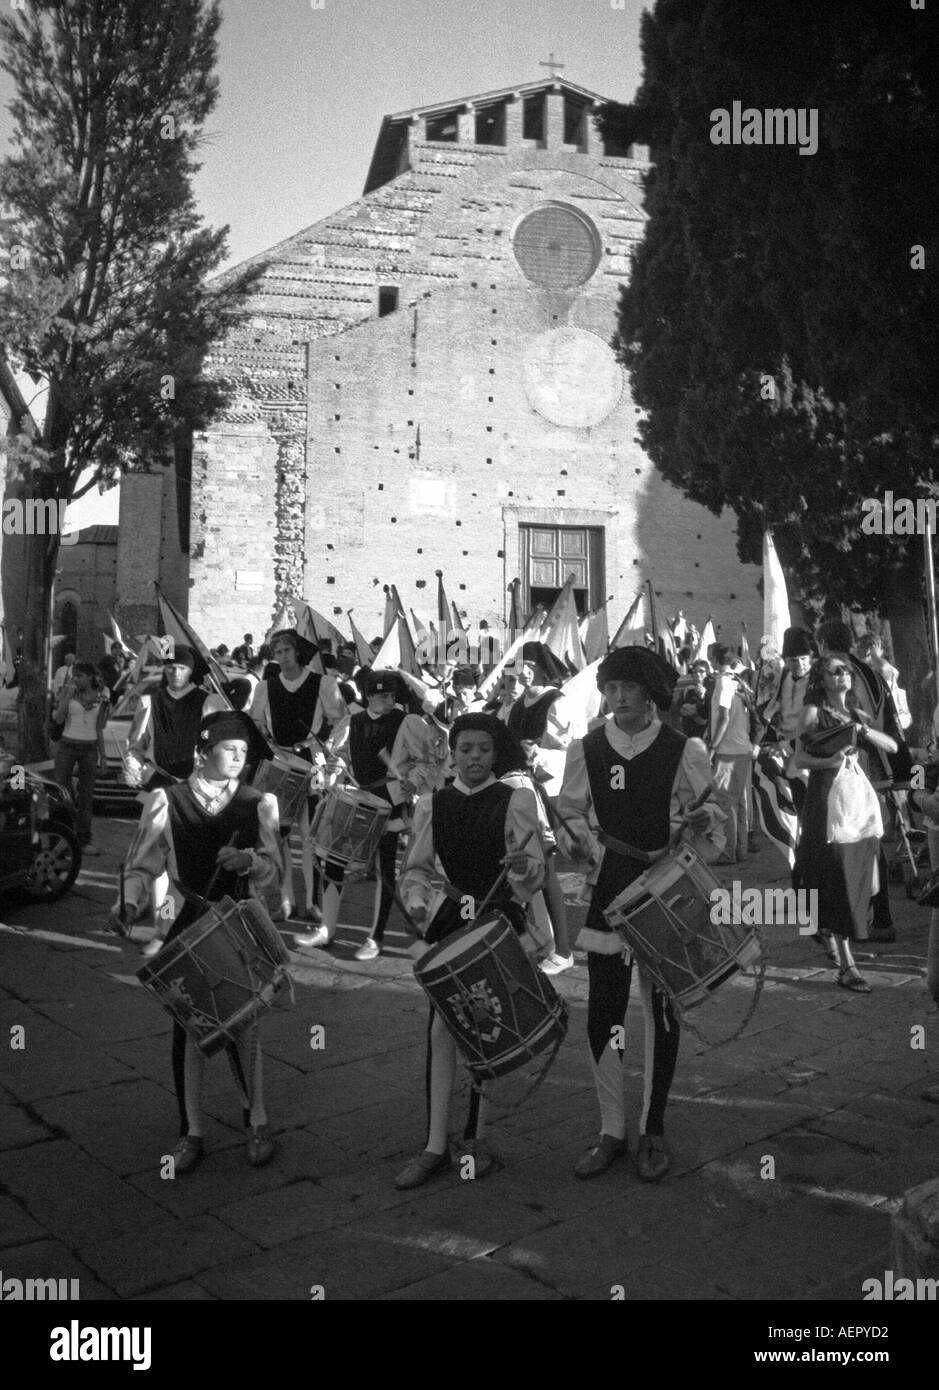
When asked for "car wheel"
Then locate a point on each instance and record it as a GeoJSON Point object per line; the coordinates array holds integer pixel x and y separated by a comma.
{"type": "Point", "coordinates": [56, 862]}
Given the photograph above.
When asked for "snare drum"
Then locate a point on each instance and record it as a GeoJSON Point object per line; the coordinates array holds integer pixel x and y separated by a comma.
{"type": "Point", "coordinates": [500, 1009]}
{"type": "Point", "coordinates": [289, 777]}
{"type": "Point", "coordinates": [664, 917]}
{"type": "Point", "coordinates": [217, 975]}
{"type": "Point", "coordinates": [347, 827]}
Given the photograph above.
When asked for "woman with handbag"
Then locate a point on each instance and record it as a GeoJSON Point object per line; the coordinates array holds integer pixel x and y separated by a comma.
{"type": "Point", "coordinates": [841, 821]}
{"type": "Point", "coordinates": [82, 708]}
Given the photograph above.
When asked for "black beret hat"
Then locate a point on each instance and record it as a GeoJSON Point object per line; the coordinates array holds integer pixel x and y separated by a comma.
{"type": "Point", "coordinates": [642, 666]}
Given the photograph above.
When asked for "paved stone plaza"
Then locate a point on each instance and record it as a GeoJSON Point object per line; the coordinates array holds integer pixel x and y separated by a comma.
{"type": "Point", "coordinates": [824, 1083]}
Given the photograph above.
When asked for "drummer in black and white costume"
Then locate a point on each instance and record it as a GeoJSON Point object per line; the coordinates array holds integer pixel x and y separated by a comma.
{"type": "Point", "coordinates": [165, 730]}
{"type": "Point", "coordinates": [187, 832]}
{"type": "Point", "coordinates": [629, 779]}
{"type": "Point", "coordinates": [365, 743]}
{"type": "Point", "coordinates": [296, 709]}
{"type": "Point", "coordinates": [470, 831]}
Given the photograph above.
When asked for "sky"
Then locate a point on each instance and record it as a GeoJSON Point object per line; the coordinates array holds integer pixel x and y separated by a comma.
{"type": "Point", "coordinates": [304, 85]}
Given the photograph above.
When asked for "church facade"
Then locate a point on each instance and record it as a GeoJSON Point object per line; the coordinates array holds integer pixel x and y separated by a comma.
{"type": "Point", "coordinates": [425, 381]}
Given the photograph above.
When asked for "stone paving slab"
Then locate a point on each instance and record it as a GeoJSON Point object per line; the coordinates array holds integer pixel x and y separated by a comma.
{"type": "Point", "coordinates": [224, 1176]}
{"type": "Point", "coordinates": [50, 1259]}
{"type": "Point", "coordinates": [18, 1128]}
{"type": "Point", "coordinates": [297, 1209]}
{"type": "Point", "coordinates": [121, 1125]}
{"type": "Point", "coordinates": [478, 1281]}
{"type": "Point", "coordinates": [344, 1264]}
{"type": "Point", "coordinates": [53, 1062]}
{"type": "Point", "coordinates": [72, 1194]}
{"type": "Point", "coordinates": [17, 1227]}
{"type": "Point", "coordinates": [163, 1254]}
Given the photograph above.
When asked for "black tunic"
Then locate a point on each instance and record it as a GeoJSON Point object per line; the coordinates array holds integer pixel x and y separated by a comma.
{"type": "Point", "coordinates": [368, 738]}
{"type": "Point", "coordinates": [197, 839]}
{"type": "Point", "coordinates": [469, 841]}
{"type": "Point", "coordinates": [529, 722]}
{"type": "Point", "coordinates": [176, 729]}
{"type": "Point", "coordinates": [638, 813]}
{"type": "Point", "coordinates": [292, 711]}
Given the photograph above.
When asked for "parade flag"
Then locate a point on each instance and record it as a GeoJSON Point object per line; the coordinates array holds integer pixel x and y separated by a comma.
{"type": "Point", "coordinates": [119, 637]}
{"type": "Point", "coordinates": [583, 697]}
{"type": "Point", "coordinates": [775, 598]}
{"type": "Point", "coordinates": [632, 630]}
{"type": "Point", "coordinates": [444, 617]}
{"type": "Point", "coordinates": [176, 626]}
{"type": "Point", "coordinates": [560, 632]}
{"type": "Point", "coordinates": [515, 610]}
{"type": "Point", "coordinates": [528, 634]}
{"type": "Point", "coordinates": [705, 641]}
{"type": "Point", "coordinates": [286, 617]}
{"type": "Point", "coordinates": [595, 634]}
{"type": "Point", "coordinates": [397, 651]}
{"type": "Point", "coordinates": [363, 652]}
{"type": "Point", "coordinates": [322, 629]}
{"type": "Point", "coordinates": [420, 631]}
{"type": "Point", "coordinates": [392, 608]}
{"type": "Point", "coordinates": [773, 796]}
{"type": "Point", "coordinates": [458, 625]}
{"type": "Point", "coordinates": [745, 657]}
{"type": "Point", "coordinates": [679, 629]}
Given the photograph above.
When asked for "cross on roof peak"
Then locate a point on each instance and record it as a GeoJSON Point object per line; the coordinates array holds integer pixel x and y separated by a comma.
{"type": "Point", "coordinates": [552, 63]}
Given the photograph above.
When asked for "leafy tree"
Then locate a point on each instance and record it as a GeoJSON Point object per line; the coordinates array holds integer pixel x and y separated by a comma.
{"type": "Point", "coordinates": [780, 341]}
{"type": "Point", "coordinates": [103, 256]}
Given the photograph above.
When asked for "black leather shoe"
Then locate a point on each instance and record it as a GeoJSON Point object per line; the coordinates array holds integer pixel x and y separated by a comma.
{"type": "Point", "coordinates": [653, 1157]}
{"type": "Point", "coordinates": [188, 1154]}
{"type": "Point", "coordinates": [599, 1158]}
{"type": "Point", "coordinates": [419, 1170]}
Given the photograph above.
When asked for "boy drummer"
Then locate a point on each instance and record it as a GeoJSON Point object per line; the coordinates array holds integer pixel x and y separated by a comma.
{"type": "Point", "coordinates": [632, 776]}
{"type": "Point", "coordinates": [474, 828]}
{"type": "Point", "coordinates": [215, 837]}
{"type": "Point", "coordinates": [365, 742]}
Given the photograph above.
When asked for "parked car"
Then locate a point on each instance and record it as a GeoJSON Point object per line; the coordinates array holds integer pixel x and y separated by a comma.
{"type": "Point", "coordinates": [39, 851]}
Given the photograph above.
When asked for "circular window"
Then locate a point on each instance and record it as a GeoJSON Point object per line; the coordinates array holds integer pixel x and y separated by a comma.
{"type": "Point", "coordinates": [557, 247]}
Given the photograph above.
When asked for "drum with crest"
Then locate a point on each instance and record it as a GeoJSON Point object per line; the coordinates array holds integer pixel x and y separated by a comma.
{"type": "Point", "coordinates": [664, 917]}
{"type": "Point", "coordinates": [499, 1008]}
{"type": "Point", "coordinates": [347, 827]}
{"type": "Point", "coordinates": [291, 780]}
{"type": "Point", "coordinates": [220, 972]}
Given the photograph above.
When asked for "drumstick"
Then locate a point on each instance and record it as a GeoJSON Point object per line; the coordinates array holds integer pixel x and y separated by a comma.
{"type": "Point", "coordinates": [501, 879]}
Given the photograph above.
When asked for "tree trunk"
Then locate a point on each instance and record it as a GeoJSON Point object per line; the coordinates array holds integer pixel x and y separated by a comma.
{"type": "Point", "coordinates": [41, 553]}
{"type": "Point", "coordinates": [905, 606]}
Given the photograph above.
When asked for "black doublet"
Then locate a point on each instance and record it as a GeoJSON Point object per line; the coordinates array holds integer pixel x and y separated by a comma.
{"type": "Point", "coordinates": [469, 841]}
{"type": "Point", "coordinates": [529, 722]}
{"type": "Point", "coordinates": [637, 811]}
{"type": "Point", "coordinates": [292, 711]}
{"type": "Point", "coordinates": [197, 839]}
{"type": "Point", "coordinates": [176, 729]}
{"type": "Point", "coordinates": [368, 738]}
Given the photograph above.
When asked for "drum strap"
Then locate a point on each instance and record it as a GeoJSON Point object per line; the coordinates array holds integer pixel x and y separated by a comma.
{"type": "Point", "coordinates": [627, 851]}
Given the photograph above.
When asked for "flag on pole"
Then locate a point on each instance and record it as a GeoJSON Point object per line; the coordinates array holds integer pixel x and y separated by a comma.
{"type": "Point", "coordinates": [745, 657]}
{"type": "Point", "coordinates": [515, 609]}
{"type": "Point", "coordinates": [560, 632]}
{"type": "Point", "coordinates": [286, 617]}
{"type": "Point", "coordinates": [528, 634]}
{"type": "Point", "coordinates": [363, 652]}
{"type": "Point", "coordinates": [583, 696]}
{"type": "Point", "coordinates": [596, 634]}
{"type": "Point", "coordinates": [118, 636]}
{"type": "Point", "coordinates": [632, 630]}
{"type": "Point", "coordinates": [775, 806]}
{"type": "Point", "coordinates": [420, 630]}
{"type": "Point", "coordinates": [322, 629]}
{"type": "Point", "coordinates": [176, 626]}
{"type": "Point", "coordinates": [444, 617]}
{"type": "Point", "coordinates": [457, 620]}
{"type": "Point", "coordinates": [775, 598]}
{"type": "Point", "coordinates": [707, 639]}
{"type": "Point", "coordinates": [679, 629]}
{"type": "Point", "coordinates": [391, 609]}
{"type": "Point", "coordinates": [397, 651]}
